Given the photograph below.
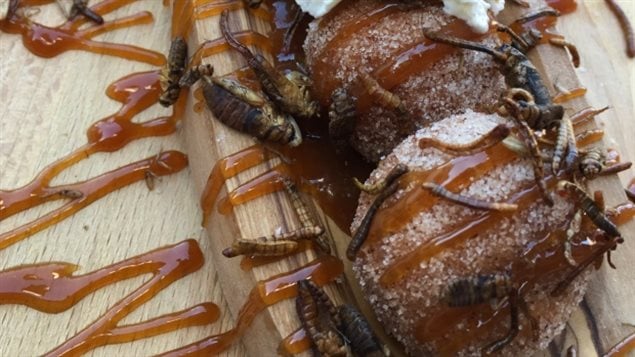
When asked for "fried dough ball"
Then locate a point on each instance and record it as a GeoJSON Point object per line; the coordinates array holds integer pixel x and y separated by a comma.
{"type": "Point", "coordinates": [358, 36]}
{"type": "Point", "coordinates": [413, 308]}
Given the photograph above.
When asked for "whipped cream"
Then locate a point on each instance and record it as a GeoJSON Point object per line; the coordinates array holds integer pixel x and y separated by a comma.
{"type": "Point", "coordinates": [317, 8]}
{"type": "Point", "coordinates": [474, 12]}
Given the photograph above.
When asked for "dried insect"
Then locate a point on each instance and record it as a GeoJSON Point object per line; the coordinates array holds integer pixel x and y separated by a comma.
{"type": "Point", "coordinates": [150, 179]}
{"type": "Point", "coordinates": [245, 110]}
{"type": "Point", "coordinates": [70, 193]}
{"type": "Point", "coordinates": [532, 145]}
{"type": "Point", "coordinates": [380, 95]}
{"type": "Point", "coordinates": [468, 201]}
{"type": "Point", "coordinates": [342, 116]}
{"type": "Point", "coordinates": [565, 142]}
{"type": "Point", "coordinates": [284, 243]}
{"type": "Point", "coordinates": [483, 288]}
{"type": "Point", "coordinates": [287, 39]}
{"type": "Point", "coordinates": [263, 246]}
{"type": "Point", "coordinates": [381, 185]}
{"type": "Point", "coordinates": [493, 137]}
{"type": "Point", "coordinates": [193, 74]}
{"type": "Point", "coordinates": [173, 71]}
{"type": "Point", "coordinates": [588, 205]}
{"type": "Point", "coordinates": [290, 92]}
{"type": "Point", "coordinates": [320, 320]}
{"type": "Point", "coordinates": [304, 217]}
{"type": "Point", "coordinates": [606, 246]}
{"type": "Point", "coordinates": [254, 4]}
{"type": "Point", "coordinates": [389, 186]}
{"type": "Point", "coordinates": [517, 69]}
{"type": "Point", "coordinates": [625, 24]}
{"type": "Point", "coordinates": [538, 117]}
{"type": "Point", "coordinates": [80, 7]}
{"type": "Point", "coordinates": [592, 164]}
{"type": "Point", "coordinates": [529, 39]}
{"type": "Point", "coordinates": [358, 332]}
{"type": "Point", "coordinates": [572, 229]}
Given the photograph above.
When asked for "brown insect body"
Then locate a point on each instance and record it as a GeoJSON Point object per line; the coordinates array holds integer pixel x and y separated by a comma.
{"type": "Point", "coordinates": [263, 246]}
{"type": "Point", "coordinates": [386, 188]}
{"type": "Point", "coordinates": [360, 335]}
{"type": "Point", "coordinates": [468, 201]}
{"type": "Point", "coordinates": [244, 110]}
{"type": "Point", "coordinates": [592, 163]}
{"type": "Point", "coordinates": [493, 137]}
{"type": "Point", "coordinates": [290, 92]}
{"type": "Point", "coordinates": [532, 145]}
{"type": "Point", "coordinates": [173, 71]}
{"type": "Point", "coordinates": [342, 117]}
{"type": "Point", "coordinates": [320, 320]}
{"type": "Point", "coordinates": [254, 4]}
{"type": "Point", "coordinates": [193, 74]}
{"type": "Point", "coordinates": [481, 289]}
{"type": "Point", "coordinates": [478, 290]}
{"type": "Point", "coordinates": [590, 207]}
{"type": "Point", "coordinates": [380, 95]}
{"type": "Point", "coordinates": [81, 7]}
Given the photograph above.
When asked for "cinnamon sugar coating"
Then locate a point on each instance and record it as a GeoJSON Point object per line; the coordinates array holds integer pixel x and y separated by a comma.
{"type": "Point", "coordinates": [336, 53]}
{"type": "Point", "coordinates": [408, 305]}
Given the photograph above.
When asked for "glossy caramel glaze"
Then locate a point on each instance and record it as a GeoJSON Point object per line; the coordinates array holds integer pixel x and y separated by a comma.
{"type": "Point", "coordinates": [623, 348]}
{"type": "Point", "coordinates": [136, 92]}
{"type": "Point", "coordinates": [266, 293]}
{"type": "Point", "coordinates": [49, 42]}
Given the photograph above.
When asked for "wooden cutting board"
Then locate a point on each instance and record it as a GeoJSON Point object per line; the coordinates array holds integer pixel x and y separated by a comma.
{"type": "Point", "coordinates": [47, 105]}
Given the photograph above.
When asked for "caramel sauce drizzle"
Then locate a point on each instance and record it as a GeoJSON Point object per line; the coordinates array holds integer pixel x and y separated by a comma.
{"type": "Point", "coordinates": [136, 92]}
{"type": "Point", "coordinates": [53, 287]}
{"type": "Point", "coordinates": [295, 343]}
{"type": "Point", "coordinates": [569, 95]}
{"type": "Point", "coordinates": [167, 265]}
{"type": "Point", "coordinates": [209, 8]}
{"type": "Point", "coordinates": [321, 271]}
{"type": "Point", "coordinates": [49, 42]}
{"type": "Point", "coordinates": [543, 261]}
{"type": "Point", "coordinates": [623, 348]}
{"type": "Point", "coordinates": [181, 17]}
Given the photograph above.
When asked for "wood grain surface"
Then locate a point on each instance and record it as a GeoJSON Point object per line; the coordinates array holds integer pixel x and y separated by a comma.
{"type": "Point", "coordinates": [47, 105]}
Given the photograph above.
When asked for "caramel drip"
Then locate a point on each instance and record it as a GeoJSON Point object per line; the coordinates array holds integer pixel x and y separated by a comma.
{"type": "Point", "coordinates": [136, 92]}
{"type": "Point", "coordinates": [564, 6]}
{"type": "Point", "coordinates": [569, 95]}
{"type": "Point", "coordinates": [181, 18]}
{"type": "Point", "coordinates": [542, 262]}
{"type": "Point", "coordinates": [214, 47]}
{"type": "Point", "coordinates": [474, 226]}
{"type": "Point", "coordinates": [296, 342]}
{"type": "Point", "coordinates": [454, 175]}
{"type": "Point", "coordinates": [49, 42]}
{"type": "Point", "coordinates": [323, 67]}
{"type": "Point", "coordinates": [165, 163]}
{"type": "Point", "coordinates": [226, 168]}
{"type": "Point", "coordinates": [420, 56]}
{"type": "Point", "coordinates": [589, 137]}
{"type": "Point", "coordinates": [52, 287]}
{"type": "Point", "coordinates": [269, 182]}
{"type": "Point", "coordinates": [268, 292]}
{"type": "Point", "coordinates": [583, 116]}
{"type": "Point", "coordinates": [248, 263]}
{"type": "Point", "coordinates": [209, 8]}
{"type": "Point", "coordinates": [623, 348]}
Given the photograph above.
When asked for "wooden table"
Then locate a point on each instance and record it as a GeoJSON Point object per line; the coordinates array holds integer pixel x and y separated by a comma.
{"type": "Point", "coordinates": [47, 105]}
